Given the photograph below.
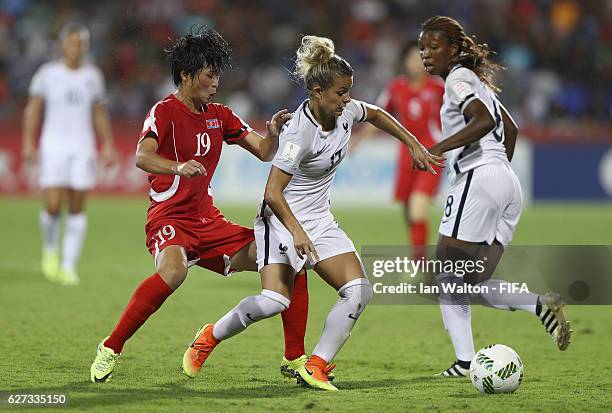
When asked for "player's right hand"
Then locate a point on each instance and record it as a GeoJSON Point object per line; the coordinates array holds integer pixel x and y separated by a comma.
{"type": "Point", "coordinates": [305, 248]}
{"type": "Point", "coordinates": [423, 159]}
{"type": "Point", "coordinates": [190, 169]}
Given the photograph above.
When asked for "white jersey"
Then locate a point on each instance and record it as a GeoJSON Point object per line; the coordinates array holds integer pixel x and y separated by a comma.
{"type": "Point", "coordinates": [69, 96]}
{"type": "Point", "coordinates": [461, 87]}
{"type": "Point", "coordinates": [312, 155]}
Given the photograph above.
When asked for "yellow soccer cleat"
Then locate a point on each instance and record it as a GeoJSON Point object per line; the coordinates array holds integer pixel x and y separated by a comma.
{"type": "Point", "coordinates": [316, 375]}
{"type": "Point", "coordinates": [202, 345]}
{"type": "Point", "coordinates": [102, 368]}
{"type": "Point", "coordinates": [67, 277]}
{"type": "Point", "coordinates": [50, 265]}
{"type": "Point", "coordinates": [288, 368]}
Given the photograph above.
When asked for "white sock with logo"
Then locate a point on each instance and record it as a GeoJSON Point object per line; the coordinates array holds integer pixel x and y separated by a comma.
{"type": "Point", "coordinates": [354, 296]}
{"type": "Point", "coordinates": [248, 311]}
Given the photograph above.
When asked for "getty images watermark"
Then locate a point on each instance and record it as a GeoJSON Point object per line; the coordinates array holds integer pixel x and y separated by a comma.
{"type": "Point", "coordinates": [413, 268]}
{"type": "Point", "coordinates": [581, 274]}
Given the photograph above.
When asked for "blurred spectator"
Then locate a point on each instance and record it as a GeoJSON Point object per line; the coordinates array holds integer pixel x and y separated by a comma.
{"type": "Point", "coordinates": [557, 52]}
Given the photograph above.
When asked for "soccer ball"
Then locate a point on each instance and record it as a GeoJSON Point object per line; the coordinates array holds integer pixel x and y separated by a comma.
{"type": "Point", "coordinates": [496, 369]}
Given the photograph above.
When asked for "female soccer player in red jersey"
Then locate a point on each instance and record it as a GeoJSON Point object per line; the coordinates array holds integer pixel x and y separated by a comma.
{"type": "Point", "coordinates": [179, 147]}
{"type": "Point", "coordinates": [415, 99]}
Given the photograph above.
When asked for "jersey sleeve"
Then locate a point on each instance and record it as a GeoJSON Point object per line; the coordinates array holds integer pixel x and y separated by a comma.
{"type": "Point", "coordinates": [292, 148]}
{"type": "Point", "coordinates": [157, 122]}
{"type": "Point", "coordinates": [37, 84]}
{"type": "Point", "coordinates": [234, 128]}
{"type": "Point", "coordinates": [358, 110]}
{"type": "Point", "coordinates": [460, 88]}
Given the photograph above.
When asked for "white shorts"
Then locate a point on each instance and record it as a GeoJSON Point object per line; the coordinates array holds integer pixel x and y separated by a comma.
{"type": "Point", "coordinates": [275, 243]}
{"type": "Point", "coordinates": [483, 204]}
{"type": "Point", "coordinates": [67, 170]}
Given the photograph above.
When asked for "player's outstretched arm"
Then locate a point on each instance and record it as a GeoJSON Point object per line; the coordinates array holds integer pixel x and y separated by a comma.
{"type": "Point", "coordinates": [31, 121]}
{"type": "Point", "coordinates": [274, 198]}
{"type": "Point", "coordinates": [510, 132]}
{"type": "Point", "coordinates": [480, 122]}
{"type": "Point", "coordinates": [148, 160]}
{"type": "Point", "coordinates": [262, 147]}
{"type": "Point", "coordinates": [421, 158]}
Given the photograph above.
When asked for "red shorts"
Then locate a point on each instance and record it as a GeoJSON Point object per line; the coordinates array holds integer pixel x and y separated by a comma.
{"type": "Point", "coordinates": [209, 242]}
{"type": "Point", "coordinates": [408, 180]}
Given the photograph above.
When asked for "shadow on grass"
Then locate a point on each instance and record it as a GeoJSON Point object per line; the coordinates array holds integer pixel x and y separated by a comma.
{"type": "Point", "coordinates": [83, 394]}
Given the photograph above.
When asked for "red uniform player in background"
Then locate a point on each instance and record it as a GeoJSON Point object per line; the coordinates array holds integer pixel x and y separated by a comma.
{"type": "Point", "coordinates": [415, 100]}
{"type": "Point", "coordinates": [179, 147]}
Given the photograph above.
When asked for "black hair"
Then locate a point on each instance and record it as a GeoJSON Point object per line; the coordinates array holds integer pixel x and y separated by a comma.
{"type": "Point", "coordinates": [471, 54]}
{"type": "Point", "coordinates": [197, 50]}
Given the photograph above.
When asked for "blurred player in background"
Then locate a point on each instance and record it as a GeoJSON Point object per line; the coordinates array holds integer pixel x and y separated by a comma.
{"type": "Point", "coordinates": [180, 147]}
{"type": "Point", "coordinates": [295, 225]}
{"type": "Point", "coordinates": [415, 99]}
{"type": "Point", "coordinates": [484, 200]}
{"type": "Point", "coordinates": [71, 94]}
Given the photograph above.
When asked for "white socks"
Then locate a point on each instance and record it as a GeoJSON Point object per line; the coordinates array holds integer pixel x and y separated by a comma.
{"type": "Point", "coordinates": [457, 317]}
{"type": "Point", "coordinates": [74, 235]}
{"type": "Point", "coordinates": [501, 296]}
{"type": "Point", "coordinates": [248, 311]}
{"type": "Point", "coordinates": [50, 229]}
{"type": "Point", "coordinates": [354, 296]}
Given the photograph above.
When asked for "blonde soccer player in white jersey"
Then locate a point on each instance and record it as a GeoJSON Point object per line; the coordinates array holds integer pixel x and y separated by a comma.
{"type": "Point", "coordinates": [484, 200]}
{"type": "Point", "coordinates": [71, 95]}
{"type": "Point", "coordinates": [295, 226]}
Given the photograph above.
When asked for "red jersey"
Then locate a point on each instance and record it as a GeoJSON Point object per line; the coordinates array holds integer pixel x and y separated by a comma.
{"type": "Point", "coordinates": [183, 135]}
{"type": "Point", "coordinates": [416, 107]}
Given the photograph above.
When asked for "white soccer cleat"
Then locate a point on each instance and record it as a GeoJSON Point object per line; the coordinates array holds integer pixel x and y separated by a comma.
{"type": "Point", "coordinates": [454, 371]}
{"type": "Point", "coordinates": [554, 320]}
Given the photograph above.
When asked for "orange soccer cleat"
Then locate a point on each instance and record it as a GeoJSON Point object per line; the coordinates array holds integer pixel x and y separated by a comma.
{"type": "Point", "coordinates": [203, 344]}
{"type": "Point", "coordinates": [315, 374]}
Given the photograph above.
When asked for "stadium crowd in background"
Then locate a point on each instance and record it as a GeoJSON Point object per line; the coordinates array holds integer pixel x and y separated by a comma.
{"type": "Point", "coordinates": [555, 51]}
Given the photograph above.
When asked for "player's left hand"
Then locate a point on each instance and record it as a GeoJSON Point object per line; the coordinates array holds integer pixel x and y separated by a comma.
{"type": "Point", "coordinates": [275, 125]}
{"type": "Point", "coordinates": [423, 159]}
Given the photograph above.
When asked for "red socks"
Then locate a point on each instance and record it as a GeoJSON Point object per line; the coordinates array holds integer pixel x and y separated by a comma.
{"type": "Point", "coordinates": [153, 291]}
{"type": "Point", "coordinates": [418, 237]}
{"type": "Point", "coordinates": [295, 317]}
{"type": "Point", "coordinates": [147, 298]}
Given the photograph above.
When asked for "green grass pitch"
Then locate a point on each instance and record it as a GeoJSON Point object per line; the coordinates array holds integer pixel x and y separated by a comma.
{"type": "Point", "coordinates": [49, 333]}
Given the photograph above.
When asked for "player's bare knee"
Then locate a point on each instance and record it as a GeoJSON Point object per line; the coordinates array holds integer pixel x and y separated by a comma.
{"type": "Point", "coordinates": [53, 209]}
{"type": "Point", "coordinates": [173, 273]}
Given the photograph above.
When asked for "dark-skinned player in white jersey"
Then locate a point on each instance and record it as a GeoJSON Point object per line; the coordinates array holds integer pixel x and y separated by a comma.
{"type": "Point", "coordinates": [484, 200]}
